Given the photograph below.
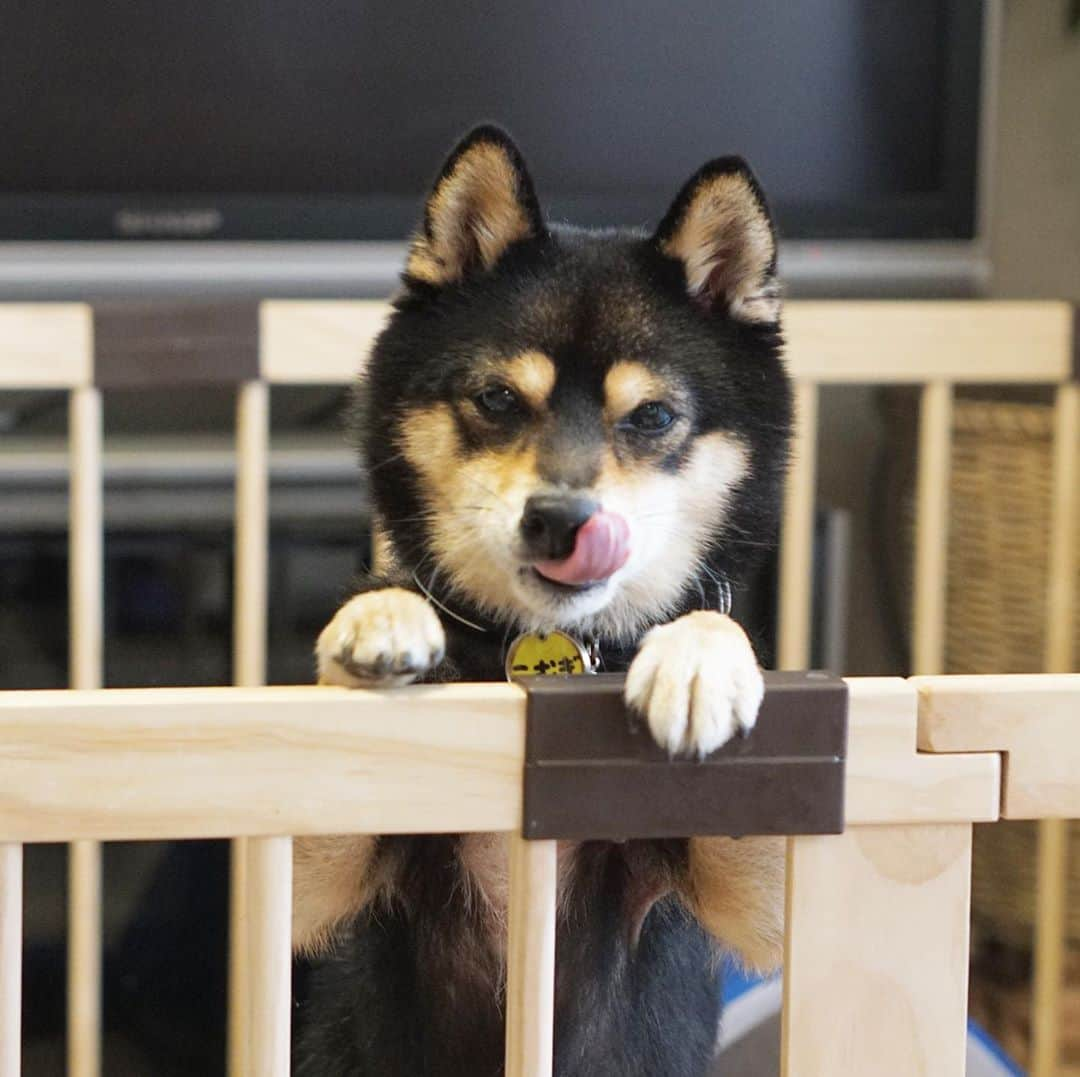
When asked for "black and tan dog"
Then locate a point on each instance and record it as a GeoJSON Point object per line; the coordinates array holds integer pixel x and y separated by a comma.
{"type": "Point", "coordinates": [570, 436]}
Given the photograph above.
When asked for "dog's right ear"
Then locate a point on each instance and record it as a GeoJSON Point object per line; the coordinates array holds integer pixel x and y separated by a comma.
{"type": "Point", "coordinates": [482, 203]}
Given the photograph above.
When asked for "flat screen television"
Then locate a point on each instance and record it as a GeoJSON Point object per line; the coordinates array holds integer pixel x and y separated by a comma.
{"type": "Point", "coordinates": [321, 122]}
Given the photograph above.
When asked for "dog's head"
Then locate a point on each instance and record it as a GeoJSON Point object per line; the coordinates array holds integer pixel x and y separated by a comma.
{"type": "Point", "coordinates": [567, 429]}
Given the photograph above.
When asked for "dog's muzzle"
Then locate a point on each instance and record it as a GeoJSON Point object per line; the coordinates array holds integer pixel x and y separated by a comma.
{"type": "Point", "coordinates": [575, 542]}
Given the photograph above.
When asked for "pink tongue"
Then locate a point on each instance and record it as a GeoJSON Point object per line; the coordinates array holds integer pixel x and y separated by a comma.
{"type": "Point", "coordinates": [601, 548]}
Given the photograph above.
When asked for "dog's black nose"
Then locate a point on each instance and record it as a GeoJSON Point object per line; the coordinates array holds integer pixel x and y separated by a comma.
{"type": "Point", "coordinates": [550, 523]}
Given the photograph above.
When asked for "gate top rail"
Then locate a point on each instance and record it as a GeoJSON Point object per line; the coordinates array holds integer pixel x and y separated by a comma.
{"type": "Point", "coordinates": [217, 762]}
{"type": "Point", "coordinates": [148, 343]}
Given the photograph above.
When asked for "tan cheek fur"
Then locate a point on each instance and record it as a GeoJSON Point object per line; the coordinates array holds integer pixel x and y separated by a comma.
{"type": "Point", "coordinates": [673, 517]}
{"type": "Point", "coordinates": [475, 503]}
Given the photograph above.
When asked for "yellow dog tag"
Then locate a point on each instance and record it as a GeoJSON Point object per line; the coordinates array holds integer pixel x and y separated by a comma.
{"type": "Point", "coordinates": [551, 654]}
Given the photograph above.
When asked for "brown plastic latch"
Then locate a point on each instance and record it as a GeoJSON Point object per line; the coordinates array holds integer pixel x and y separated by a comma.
{"type": "Point", "coordinates": [593, 772]}
{"type": "Point", "coordinates": [147, 345]}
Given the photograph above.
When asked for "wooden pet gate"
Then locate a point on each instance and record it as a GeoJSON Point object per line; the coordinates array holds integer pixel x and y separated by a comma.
{"type": "Point", "coordinates": [877, 916]}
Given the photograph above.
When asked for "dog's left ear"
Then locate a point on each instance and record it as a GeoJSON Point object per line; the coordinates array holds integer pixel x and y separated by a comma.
{"type": "Point", "coordinates": [720, 229]}
{"type": "Point", "coordinates": [482, 203]}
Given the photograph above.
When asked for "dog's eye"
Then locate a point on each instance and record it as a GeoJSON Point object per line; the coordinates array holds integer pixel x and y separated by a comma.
{"type": "Point", "coordinates": [498, 400]}
{"type": "Point", "coordinates": [649, 418]}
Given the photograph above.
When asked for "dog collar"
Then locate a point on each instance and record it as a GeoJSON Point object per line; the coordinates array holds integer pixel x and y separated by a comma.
{"type": "Point", "coordinates": [547, 654]}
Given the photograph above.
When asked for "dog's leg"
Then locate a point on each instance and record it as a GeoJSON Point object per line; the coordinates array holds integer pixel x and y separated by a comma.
{"type": "Point", "coordinates": [697, 683]}
{"type": "Point", "coordinates": [735, 888]}
{"type": "Point", "coordinates": [331, 884]}
{"type": "Point", "coordinates": [379, 638]}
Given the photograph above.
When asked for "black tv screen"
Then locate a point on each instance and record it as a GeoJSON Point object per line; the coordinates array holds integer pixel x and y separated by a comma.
{"type": "Point", "coordinates": [325, 119]}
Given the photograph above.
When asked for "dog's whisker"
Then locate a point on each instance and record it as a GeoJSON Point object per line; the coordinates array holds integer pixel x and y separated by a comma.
{"type": "Point", "coordinates": [487, 490]}
{"type": "Point", "coordinates": [392, 459]}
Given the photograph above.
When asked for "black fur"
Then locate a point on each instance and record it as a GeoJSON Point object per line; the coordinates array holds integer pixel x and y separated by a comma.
{"type": "Point", "coordinates": [414, 990]}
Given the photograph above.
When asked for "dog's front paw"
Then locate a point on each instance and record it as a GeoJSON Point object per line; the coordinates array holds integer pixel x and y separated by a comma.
{"type": "Point", "coordinates": [387, 637]}
{"type": "Point", "coordinates": [697, 683]}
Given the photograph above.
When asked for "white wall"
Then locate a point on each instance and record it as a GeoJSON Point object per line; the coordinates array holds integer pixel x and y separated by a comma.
{"type": "Point", "coordinates": [1035, 229]}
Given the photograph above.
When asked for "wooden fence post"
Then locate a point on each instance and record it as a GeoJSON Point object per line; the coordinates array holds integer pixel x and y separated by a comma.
{"type": "Point", "coordinates": [797, 535]}
{"type": "Point", "coordinates": [86, 604]}
{"type": "Point", "coordinates": [530, 983]}
{"type": "Point", "coordinates": [11, 905]}
{"type": "Point", "coordinates": [249, 669]}
{"type": "Point", "coordinates": [269, 938]}
{"type": "Point", "coordinates": [876, 963]}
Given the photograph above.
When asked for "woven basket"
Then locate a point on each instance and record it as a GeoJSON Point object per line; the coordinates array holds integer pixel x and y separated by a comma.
{"type": "Point", "coordinates": [1000, 495]}
{"type": "Point", "coordinates": [998, 550]}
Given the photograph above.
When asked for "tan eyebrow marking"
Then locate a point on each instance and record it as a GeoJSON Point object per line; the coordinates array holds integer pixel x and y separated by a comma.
{"type": "Point", "coordinates": [629, 383]}
{"type": "Point", "coordinates": [532, 376]}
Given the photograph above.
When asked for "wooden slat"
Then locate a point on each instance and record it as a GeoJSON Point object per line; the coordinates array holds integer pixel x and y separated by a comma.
{"type": "Point", "coordinates": [1061, 595]}
{"type": "Point", "coordinates": [868, 342]}
{"type": "Point", "coordinates": [797, 535]}
{"type": "Point", "coordinates": [150, 763]}
{"type": "Point", "coordinates": [888, 781]}
{"type": "Point", "coordinates": [215, 762]}
{"type": "Point", "coordinates": [86, 539]}
{"type": "Point", "coordinates": [931, 528]}
{"type": "Point", "coordinates": [11, 919]}
{"type": "Point", "coordinates": [318, 342]}
{"type": "Point", "coordinates": [1032, 717]}
{"type": "Point", "coordinates": [252, 533]}
{"type": "Point", "coordinates": [45, 345]}
{"type": "Point", "coordinates": [1053, 847]}
{"type": "Point", "coordinates": [86, 638]}
{"type": "Point", "coordinates": [84, 959]}
{"type": "Point", "coordinates": [269, 934]}
{"type": "Point", "coordinates": [238, 1036]}
{"type": "Point", "coordinates": [530, 983]}
{"type": "Point", "coordinates": [828, 342]}
{"type": "Point", "coordinates": [876, 962]}
{"type": "Point", "coordinates": [891, 342]}
{"type": "Point", "coordinates": [1051, 907]}
{"type": "Point", "coordinates": [252, 541]}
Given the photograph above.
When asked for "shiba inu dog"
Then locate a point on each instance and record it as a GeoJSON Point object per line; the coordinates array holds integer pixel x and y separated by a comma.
{"type": "Point", "coordinates": [568, 434]}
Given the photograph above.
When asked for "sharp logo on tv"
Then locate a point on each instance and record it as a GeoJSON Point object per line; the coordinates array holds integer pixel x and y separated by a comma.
{"type": "Point", "coordinates": [168, 222]}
